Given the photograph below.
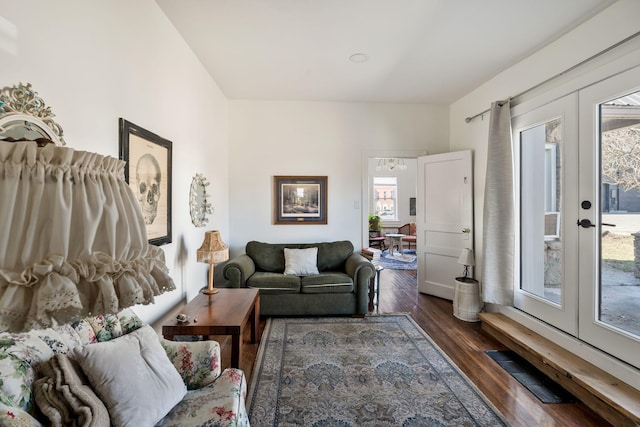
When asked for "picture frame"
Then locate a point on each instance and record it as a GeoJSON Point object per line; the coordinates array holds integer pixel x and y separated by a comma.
{"type": "Point", "coordinates": [300, 199]}
{"type": "Point", "coordinates": [412, 206]}
{"type": "Point", "coordinates": [148, 173]}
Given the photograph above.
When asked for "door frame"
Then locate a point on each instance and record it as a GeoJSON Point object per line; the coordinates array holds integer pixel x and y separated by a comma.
{"type": "Point", "coordinates": [610, 64]}
{"type": "Point", "coordinates": [364, 201]}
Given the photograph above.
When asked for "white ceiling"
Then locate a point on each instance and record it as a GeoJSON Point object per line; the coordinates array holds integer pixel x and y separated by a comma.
{"type": "Point", "coordinates": [420, 51]}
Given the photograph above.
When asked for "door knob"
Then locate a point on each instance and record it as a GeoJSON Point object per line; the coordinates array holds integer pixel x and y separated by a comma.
{"type": "Point", "coordinates": [585, 223]}
{"type": "Point", "coordinates": [466, 230]}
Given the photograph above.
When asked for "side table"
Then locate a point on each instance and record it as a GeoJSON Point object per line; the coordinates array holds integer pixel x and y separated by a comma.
{"type": "Point", "coordinates": [374, 288]}
{"type": "Point", "coordinates": [396, 240]}
{"type": "Point", "coordinates": [225, 313]}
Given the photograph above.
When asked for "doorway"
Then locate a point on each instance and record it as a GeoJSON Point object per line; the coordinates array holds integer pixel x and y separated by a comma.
{"type": "Point", "coordinates": [395, 176]}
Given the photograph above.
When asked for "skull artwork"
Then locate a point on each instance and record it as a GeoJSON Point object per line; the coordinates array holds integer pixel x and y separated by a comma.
{"type": "Point", "coordinates": [148, 176]}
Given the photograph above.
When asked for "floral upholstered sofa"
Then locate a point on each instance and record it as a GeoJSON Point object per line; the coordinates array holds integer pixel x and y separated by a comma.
{"type": "Point", "coordinates": [115, 370]}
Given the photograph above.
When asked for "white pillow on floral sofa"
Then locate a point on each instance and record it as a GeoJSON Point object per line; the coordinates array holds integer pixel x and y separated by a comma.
{"type": "Point", "coordinates": [133, 377]}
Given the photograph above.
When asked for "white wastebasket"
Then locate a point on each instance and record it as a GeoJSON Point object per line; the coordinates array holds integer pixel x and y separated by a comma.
{"type": "Point", "coordinates": [466, 299]}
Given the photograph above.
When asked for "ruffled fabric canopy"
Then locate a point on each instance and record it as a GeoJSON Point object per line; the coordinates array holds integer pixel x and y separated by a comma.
{"type": "Point", "coordinates": [73, 240]}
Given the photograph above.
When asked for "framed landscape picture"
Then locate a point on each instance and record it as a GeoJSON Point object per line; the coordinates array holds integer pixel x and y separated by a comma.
{"type": "Point", "coordinates": [300, 199]}
{"type": "Point", "coordinates": [148, 173]}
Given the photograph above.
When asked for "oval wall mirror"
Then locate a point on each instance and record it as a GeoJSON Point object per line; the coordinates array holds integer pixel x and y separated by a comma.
{"type": "Point", "coordinates": [199, 205]}
{"type": "Point", "coordinates": [25, 116]}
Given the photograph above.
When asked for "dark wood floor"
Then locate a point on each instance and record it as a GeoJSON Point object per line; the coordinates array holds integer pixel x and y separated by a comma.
{"type": "Point", "coordinates": [465, 344]}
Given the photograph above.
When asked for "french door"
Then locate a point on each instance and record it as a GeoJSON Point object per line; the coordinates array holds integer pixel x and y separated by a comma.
{"type": "Point", "coordinates": [609, 179]}
{"type": "Point", "coordinates": [578, 175]}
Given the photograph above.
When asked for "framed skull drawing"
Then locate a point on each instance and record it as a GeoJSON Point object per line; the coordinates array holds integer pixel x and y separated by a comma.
{"type": "Point", "coordinates": [148, 172]}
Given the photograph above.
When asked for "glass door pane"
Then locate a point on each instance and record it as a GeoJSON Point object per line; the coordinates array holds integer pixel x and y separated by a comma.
{"type": "Point", "coordinates": [546, 147]}
{"type": "Point", "coordinates": [541, 201]}
{"type": "Point", "coordinates": [619, 281]}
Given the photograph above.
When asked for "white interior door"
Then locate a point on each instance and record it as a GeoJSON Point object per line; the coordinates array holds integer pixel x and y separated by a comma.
{"type": "Point", "coordinates": [444, 219]}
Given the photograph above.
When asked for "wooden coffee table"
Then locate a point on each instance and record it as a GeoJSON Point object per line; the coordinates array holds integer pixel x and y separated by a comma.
{"type": "Point", "coordinates": [225, 313]}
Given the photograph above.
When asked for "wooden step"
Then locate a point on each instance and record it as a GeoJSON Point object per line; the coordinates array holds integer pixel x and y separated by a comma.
{"type": "Point", "coordinates": [615, 401]}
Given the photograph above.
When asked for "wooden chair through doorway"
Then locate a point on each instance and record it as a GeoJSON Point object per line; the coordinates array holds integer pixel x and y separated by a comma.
{"type": "Point", "coordinates": [409, 230]}
{"type": "Point", "coordinates": [376, 240]}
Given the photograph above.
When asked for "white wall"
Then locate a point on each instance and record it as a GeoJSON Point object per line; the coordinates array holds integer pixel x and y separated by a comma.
{"type": "Point", "coordinates": [94, 62]}
{"type": "Point", "coordinates": [620, 22]}
{"type": "Point", "coordinates": [316, 138]}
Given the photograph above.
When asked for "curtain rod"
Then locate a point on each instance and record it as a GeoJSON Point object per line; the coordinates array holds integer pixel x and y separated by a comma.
{"type": "Point", "coordinates": [591, 58]}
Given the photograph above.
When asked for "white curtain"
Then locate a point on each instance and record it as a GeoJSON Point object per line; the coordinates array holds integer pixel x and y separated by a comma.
{"type": "Point", "coordinates": [73, 239]}
{"type": "Point", "coordinates": [498, 217]}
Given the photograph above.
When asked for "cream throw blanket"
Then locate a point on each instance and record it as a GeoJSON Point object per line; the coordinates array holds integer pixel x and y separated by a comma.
{"type": "Point", "coordinates": [64, 396]}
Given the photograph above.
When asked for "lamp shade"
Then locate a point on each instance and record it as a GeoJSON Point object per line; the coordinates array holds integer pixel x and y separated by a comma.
{"type": "Point", "coordinates": [74, 242]}
{"type": "Point", "coordinates": [466, 257]}
{"type": "Point", "coordinates": [213, 249]}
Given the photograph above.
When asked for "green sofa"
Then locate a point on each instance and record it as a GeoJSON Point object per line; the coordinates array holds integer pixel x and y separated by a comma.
{"type": "Point", "coordinates": [340, 288]}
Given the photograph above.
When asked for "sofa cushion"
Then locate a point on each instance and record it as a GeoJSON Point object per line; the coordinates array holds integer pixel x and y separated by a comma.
{"type": "Point", "coordinates": [333, 255]}
{"type": "Point", "coordinates": [326, 283]}
{"type": "Point", "coordinates": [106, 327]}
{"type": "Point", "coordinates": [29, 349]}
{"type": "Point", "coordinates": [267, 256]}
{"type": "Point", "coordinates": [300, 262]}
{"type": "Point", "coordinates": [219, 404]}
{"type": "Point", "coordinates": [14, 416]}
{"type": "Point", "coordinates": [21, 353]}
{"type": "Point", "coordinates": [274, 283]}
{"type": "Point", "coordinates": [198, 363]}
{"type": "Point", "coordinates": [85, 330]}
{"type": "Point", "coordinates": [16, 381]}
{"type": "Point", "coordinates": [133, 376]}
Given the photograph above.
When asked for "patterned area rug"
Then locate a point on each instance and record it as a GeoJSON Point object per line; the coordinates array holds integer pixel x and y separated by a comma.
{"type": "Point", "coordinates": [405, 261]}
{"type": "Point", "coordinates": [373, 371]}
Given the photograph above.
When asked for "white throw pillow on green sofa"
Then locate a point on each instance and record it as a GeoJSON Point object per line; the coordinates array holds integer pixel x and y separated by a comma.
{"type": "Point", "coordinates": [301, 262]}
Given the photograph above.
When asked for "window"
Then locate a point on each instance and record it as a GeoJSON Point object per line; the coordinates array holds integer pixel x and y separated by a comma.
{"type": "Point", "coordinates": [540, 202]}
{"type": "Point", "coordinates": [385, 196]}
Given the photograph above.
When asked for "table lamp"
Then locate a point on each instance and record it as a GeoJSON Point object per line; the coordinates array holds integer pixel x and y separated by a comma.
{"type": "Point", "coordinates": [212, 251]}
{"type": "Point", "coordinates": [466, 258]}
